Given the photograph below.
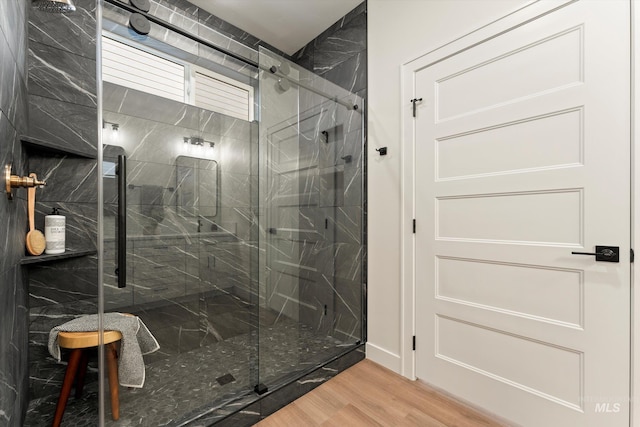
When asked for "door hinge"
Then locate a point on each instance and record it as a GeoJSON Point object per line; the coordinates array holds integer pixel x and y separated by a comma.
{"type": "Point", "coordinates": [414, 226]}
{"type": "Point", "coordinates": [414, 343]}
{"type": "Point", "coordinates": [633, 255]}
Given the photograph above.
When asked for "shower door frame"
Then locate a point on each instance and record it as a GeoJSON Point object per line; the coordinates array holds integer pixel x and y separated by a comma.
{"type": "Point", "coordinates": [346, 103]}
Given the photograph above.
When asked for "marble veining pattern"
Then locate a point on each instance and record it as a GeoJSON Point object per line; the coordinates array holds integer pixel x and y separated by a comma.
{"type": "Point", "coordinates": [181, 381]}
{"type": "Point", "coordinates": [14, 371]}
{"type": "Point", "coordinates": [351, 73]}
{"type": "Point", "coordinates": [13, 27]}
{"type": "Point", "coordinates": [341, 45]}
{"type": "Point", "coordinates": [62, 110]}
{"type": "Point", "coordinates": [68, 124]}
{"type": "Point", "coordinates": [12, 87]}
{"type": "Point", "coordinates": [72, 32]}
{"type": "Point", "coordinates": [184, 256]}
{"type": "Point", "coordinates": [73, 179]}
{"type": "Point", "coordinates": [58, 74]}
{"type": "Point", "coordinates": [339, 53]}
{"type": "Point", "coordinates": [313, 179]}
{"type": "Point", "coordinates": [13, 213]}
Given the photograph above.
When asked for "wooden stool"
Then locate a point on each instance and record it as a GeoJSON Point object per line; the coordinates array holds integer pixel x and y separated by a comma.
{"type": "Point", "coordinates": [79, 343]}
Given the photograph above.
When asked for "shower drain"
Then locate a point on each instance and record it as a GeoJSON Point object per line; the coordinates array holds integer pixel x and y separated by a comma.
{"type": "Point", "coordinates": [225, 379]}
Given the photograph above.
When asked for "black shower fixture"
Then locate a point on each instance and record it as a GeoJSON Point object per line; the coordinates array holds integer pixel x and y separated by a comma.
{"type": "Point", "coordinates": [139, 23]}
{"type": "Point", "coordinates": [283, 68]}
{"type": "Point", "coordinates": [54, 6]}
{"type": "Point", "coordinates": [326, 136]}
{"type": "Point", "coordinates": [142, 5]}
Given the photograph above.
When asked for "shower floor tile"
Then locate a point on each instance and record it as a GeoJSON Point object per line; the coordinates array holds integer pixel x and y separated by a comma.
{"type": "Point", "coordinates": [182, 378]}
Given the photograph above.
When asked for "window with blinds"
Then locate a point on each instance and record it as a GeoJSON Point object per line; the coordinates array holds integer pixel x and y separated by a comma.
{"type": "Point", "coordinates": [134, 68]}
{"type": "Point", "coordinates": [139, 69]}
{"type": "Point", "coordinates": [222, 95]}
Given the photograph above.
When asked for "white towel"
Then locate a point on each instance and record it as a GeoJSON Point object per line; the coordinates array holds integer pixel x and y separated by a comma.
{"type": "Point", "coordinates": [136, 341]}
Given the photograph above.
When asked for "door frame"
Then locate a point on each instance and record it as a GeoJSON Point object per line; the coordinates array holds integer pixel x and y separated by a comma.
{"type": "Point", "coordinates": [513, 19]}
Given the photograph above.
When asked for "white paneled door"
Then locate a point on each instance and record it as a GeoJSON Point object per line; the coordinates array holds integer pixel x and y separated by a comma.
{"type": "Point", "coordinates": [522, 156]}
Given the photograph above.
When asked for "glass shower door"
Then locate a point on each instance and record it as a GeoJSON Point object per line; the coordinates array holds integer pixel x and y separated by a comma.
{"type": "Point", "coordinates": [244, 239]}
{"type": "Point", "coordinates": [311, 159]}
{"type": "Point", "coordinates": [188, 240]}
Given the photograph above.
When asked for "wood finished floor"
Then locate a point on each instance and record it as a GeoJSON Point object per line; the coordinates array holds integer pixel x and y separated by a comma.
{"type": "Point", "coordinates": [369, 395]}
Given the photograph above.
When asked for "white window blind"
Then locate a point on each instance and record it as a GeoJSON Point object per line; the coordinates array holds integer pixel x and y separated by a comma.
{"type": "Point", "coordinates": [128, 66]}
{"type": "Point", "coordinates": [135, 68]}
{"type": "Point", "coordinates": [222, 96]}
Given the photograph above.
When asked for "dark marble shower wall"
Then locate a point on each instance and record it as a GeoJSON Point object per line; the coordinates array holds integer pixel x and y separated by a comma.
{"type": "Point", "coordinates": [63, 113]}
{"type": "Point", "coordinates": [190, 204]}
{"type": "Point", "coordinates": [339, 54]}
{"type": "Point", "coordinates": [313, 204]}
{"type": "Point", "coordinates": [13, 292]}
{"type": "Point", "coordinates": [62, 108]}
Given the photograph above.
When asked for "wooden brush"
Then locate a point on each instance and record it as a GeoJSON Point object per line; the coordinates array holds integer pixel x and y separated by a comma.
{"type": "Point", "coordinates": [35, 240]}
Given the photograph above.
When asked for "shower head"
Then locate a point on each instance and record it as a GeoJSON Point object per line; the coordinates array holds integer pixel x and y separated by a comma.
{"type": "Point", "coordinates": [54, 6]}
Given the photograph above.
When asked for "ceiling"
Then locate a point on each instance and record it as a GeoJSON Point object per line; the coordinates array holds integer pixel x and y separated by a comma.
{"type": "Point", "coordinates": [285, 24]}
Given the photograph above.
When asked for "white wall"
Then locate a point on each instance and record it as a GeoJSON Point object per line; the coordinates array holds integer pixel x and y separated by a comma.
{"type": "Point", "coordinates": [399, 31]}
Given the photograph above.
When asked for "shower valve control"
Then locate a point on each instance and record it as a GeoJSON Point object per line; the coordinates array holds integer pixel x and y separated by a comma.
{"type": "Point", "coordinates": [15, 181]}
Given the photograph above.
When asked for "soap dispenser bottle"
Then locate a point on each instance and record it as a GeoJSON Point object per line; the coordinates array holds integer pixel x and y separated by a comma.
{"type": "Point", "coordinates": [54, 232]}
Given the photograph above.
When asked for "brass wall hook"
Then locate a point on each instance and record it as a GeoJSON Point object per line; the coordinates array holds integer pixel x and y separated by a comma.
{"type": "Point", "coordinates": [15, 181]}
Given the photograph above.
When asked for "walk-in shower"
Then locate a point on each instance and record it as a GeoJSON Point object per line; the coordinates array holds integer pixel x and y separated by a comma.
{"type": "Point", "coordinates": [232, 220]}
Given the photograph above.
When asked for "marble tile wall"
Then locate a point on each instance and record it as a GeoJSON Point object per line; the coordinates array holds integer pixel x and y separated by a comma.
{"type": "Point", "coordinates": [13, 291]}
{"type": "Point", "coordinates": [316, 277]}
{"type": "Point", "coordinates": [62, 109]}
{"type": "Point", "coordinates": [205, 191]}
{"type": "Point", "coordinates": [337, 176]}
{"type": "Point", "coordinates": [63, 113]}
{"type": "Point", "coordinates": [339, 54]}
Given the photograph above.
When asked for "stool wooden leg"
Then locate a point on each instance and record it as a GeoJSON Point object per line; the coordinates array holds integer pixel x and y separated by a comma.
{"type": "Point", "coordinates": [82, 372]}
{"type": "Point", "coordinates": [112, 364]}
{"type": "Point", "coordinates": [70, 373]}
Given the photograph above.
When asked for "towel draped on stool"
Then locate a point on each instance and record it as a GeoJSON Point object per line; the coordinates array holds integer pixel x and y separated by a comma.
{"type": "Point", "coordinates": [136, 341]}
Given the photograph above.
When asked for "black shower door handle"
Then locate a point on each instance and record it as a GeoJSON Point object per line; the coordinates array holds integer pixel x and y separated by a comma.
{"type": "Point", "coordinates": [121, 268]}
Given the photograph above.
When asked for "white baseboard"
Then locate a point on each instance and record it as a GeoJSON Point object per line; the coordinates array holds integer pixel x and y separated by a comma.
{"type": "Point", "coordinates": [384, 357]}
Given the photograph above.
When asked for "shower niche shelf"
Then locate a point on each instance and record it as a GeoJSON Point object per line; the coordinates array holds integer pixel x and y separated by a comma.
{"type": "Point", "coordinates": [41, 146]}
{"type": "Point", "coordinates": [38, 147]}
{"type": "Point", "coordinates": [69, 253]}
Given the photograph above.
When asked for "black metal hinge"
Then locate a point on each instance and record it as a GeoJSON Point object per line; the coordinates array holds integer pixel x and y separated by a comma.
{"type": "Point", "coordinates": [414, 343]}
{"type": "Point", "coordinates": [633, 255]}
{"type": "Point", "coordinates": [414, 226]}
{"type": "Point", "coordinates": [260, 389]}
